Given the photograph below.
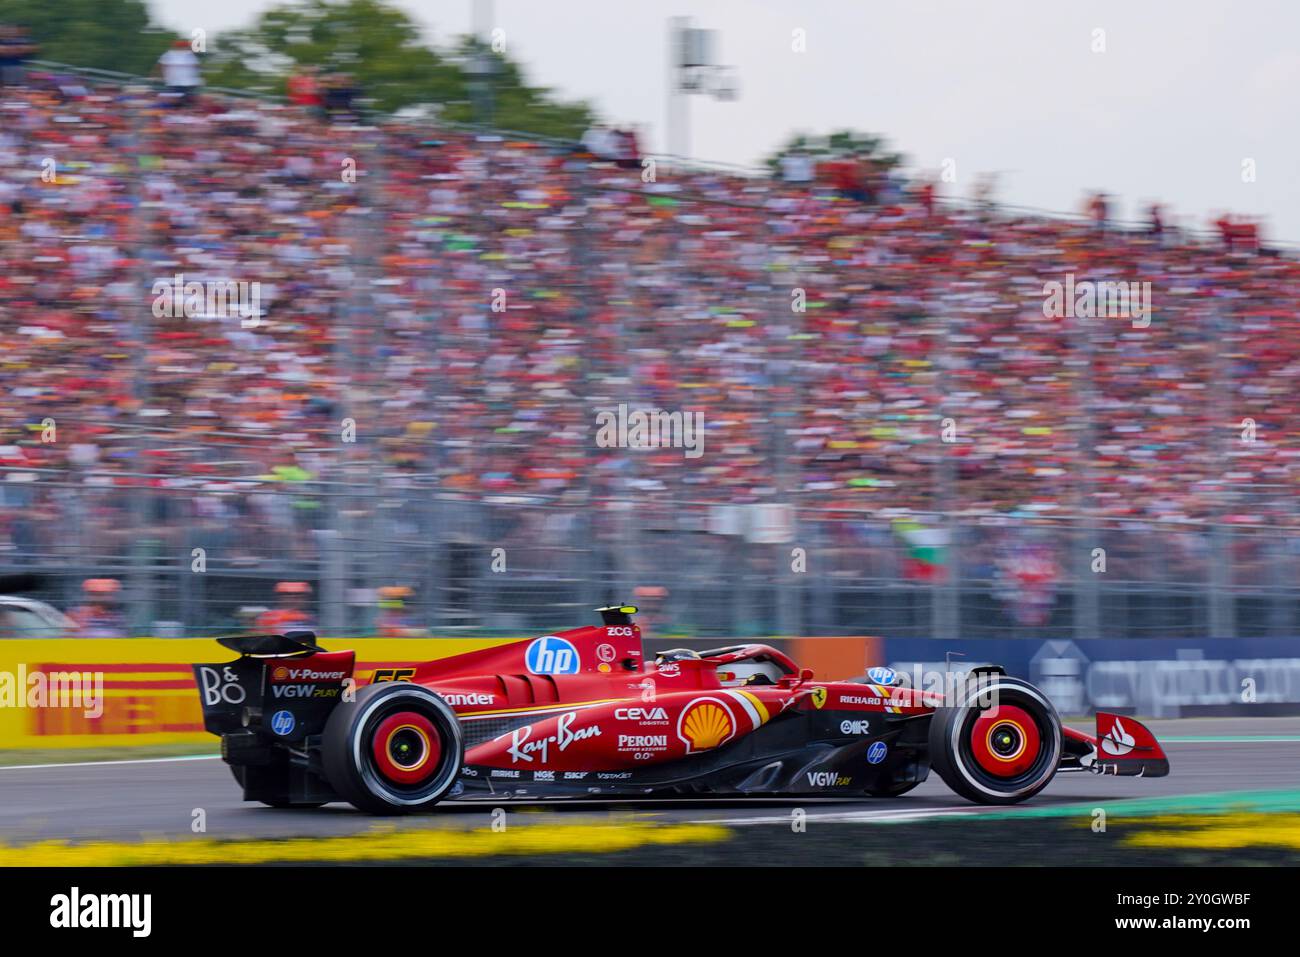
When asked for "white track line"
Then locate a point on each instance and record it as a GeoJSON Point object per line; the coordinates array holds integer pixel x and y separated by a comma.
{"type": "Point", "coordinates": [91, 764]}
{"type": "Point", "coordinates": [851, 817]}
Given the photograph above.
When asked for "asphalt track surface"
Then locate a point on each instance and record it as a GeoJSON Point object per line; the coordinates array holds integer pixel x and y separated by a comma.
{"type": "Point", "coordinates": [126, 801]}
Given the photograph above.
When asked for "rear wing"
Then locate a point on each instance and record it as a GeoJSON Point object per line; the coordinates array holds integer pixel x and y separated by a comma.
{"type": "Point", "coordinates": [284, 686]}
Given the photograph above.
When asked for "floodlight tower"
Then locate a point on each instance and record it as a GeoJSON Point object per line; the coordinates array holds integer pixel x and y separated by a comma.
{"type": "Point", "coordinates": [692, 70]}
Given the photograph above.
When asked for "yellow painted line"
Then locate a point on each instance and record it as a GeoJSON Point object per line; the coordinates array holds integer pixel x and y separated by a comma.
{"type": "Point", "coordinates": [377, 844]}
{"type": "Point", "coordinates": [1220, 832]}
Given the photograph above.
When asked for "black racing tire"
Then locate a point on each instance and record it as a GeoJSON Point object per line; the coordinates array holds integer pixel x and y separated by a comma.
{"type": "Point", "coordinates": [364, 773]}
{"type": "Point", "coordinates": [965, 740]}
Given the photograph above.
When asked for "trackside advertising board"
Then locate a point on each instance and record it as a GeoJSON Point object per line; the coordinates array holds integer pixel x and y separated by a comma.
{"type": "Point", "coordinates": [86, 693]}
{"type": "Point", "coordinates": [1158, 677]}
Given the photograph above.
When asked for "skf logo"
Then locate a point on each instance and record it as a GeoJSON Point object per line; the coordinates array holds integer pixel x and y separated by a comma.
{"type": "Point", "coordinates": [818, 697]}
{"type": "Point", "coordinates": [393, 674]}
{"type": "Point", "coordinates": [705, 724]}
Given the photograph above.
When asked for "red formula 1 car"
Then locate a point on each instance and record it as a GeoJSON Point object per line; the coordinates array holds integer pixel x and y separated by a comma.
{"type": "Point", "coordinates": [581, 714]}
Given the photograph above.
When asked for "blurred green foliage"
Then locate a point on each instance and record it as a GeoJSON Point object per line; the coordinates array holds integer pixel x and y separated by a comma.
{"type": "Point", "coordinates": [839, 143]}
{"type": "Point", "coordinates": [378, 44]}
{"type": "Point", "coordinates": [104, 34]}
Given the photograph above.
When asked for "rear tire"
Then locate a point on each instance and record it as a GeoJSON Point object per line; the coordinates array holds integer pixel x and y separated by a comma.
{"type": "Point", "coordinates": [1000, 755]}
{"type": "Point", "coordinates": [397, 748]}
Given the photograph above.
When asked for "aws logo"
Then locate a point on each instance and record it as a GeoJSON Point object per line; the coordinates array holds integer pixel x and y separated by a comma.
{"type": "Point", "coordinates": [704, 724]}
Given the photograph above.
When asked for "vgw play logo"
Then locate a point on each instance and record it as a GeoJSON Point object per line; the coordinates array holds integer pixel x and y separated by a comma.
{"type": "Point", "coordinates": [552, 655]}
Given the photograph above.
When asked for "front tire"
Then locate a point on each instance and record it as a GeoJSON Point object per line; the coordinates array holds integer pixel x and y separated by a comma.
{"type": "Point", "coordinates": [997, 755]}
{"type": "Point", "coordinates": [396, 749]}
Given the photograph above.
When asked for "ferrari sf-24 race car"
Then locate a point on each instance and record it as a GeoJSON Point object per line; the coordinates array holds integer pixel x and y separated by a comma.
{"type": "Point", "coordinates": [580, 714]}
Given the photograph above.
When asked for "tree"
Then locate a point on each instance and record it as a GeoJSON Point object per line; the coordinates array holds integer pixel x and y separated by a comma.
{"type": "Point", "coordinates": [104, 34]}
{"type": "Point", "coordinates": [381, 47]}
{"type": "Point", "coordinates": [841, 142]}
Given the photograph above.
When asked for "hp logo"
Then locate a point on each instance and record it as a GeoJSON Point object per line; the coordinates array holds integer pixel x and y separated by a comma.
{"type": "Point", "coordinates": [882, 676]}
{"type": "Point", "coordinates": [550, 655]}
{"type": "Point", "coordinates": [876, 753]}
{"type": "Point", "coordinates": [282, 723]}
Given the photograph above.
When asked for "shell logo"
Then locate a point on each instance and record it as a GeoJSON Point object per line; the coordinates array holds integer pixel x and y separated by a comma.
{"type": "Point", "coordinates": [705, 724]}
{"type": "Point", "coordinates": [280, 673]}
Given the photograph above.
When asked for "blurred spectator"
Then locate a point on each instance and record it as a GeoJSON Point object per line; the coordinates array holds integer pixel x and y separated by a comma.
{"type": "Point", "coordinates": [1155, 221]}
{"type": "Point", "coordinates": [798, 166]}
{"type": "Point", "coordinates": [180, 71]}
{"type": "Point", "coordinates": [100, 615]}
{"type": "Point", "coordinates": [395, 619]}
{"type": "Point", "coordinates": [292, 613]}
{"type": "Point", "coordinates": [305, 90]}
{"type": "Point", "coordinates": [1098, 211]}
{"type": "Point", "coordinates": [628, 149]}
{"type": "Point", "coordinates": [340, 92]}
{"type": "Point", "coordinates": [602, 142]}
{"type": "Point", "coordinates": [15, 49]}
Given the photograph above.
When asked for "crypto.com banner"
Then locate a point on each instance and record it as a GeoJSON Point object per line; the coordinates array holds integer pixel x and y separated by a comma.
{"type": "Point", "coordinates": [1159, 677]}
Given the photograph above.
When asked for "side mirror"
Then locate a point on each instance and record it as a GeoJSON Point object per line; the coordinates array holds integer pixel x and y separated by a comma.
{"type": "Point", "coordinates": [805, 675]}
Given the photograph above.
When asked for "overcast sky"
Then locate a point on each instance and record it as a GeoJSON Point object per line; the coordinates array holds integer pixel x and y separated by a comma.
{"type": "Point", "coordinates": [1184, 92]}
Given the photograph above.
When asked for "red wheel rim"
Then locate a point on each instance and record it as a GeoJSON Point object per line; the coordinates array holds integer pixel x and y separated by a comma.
{"type": "Point", "coordinates": [406, 748]}
{"type": "Point", "coordinates": [1005, 741]}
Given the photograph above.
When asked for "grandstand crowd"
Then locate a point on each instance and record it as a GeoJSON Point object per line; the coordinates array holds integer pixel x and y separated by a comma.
{"type": "Point", "coordinates": [469, 302]}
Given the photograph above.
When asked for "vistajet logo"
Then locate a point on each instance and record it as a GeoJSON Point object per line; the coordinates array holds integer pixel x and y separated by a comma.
{"type": "Point", "coordinates": [75, 909]}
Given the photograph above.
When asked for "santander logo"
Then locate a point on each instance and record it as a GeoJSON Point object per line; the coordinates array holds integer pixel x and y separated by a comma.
{"type": "Point", "coordinates": [1118, 741]}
